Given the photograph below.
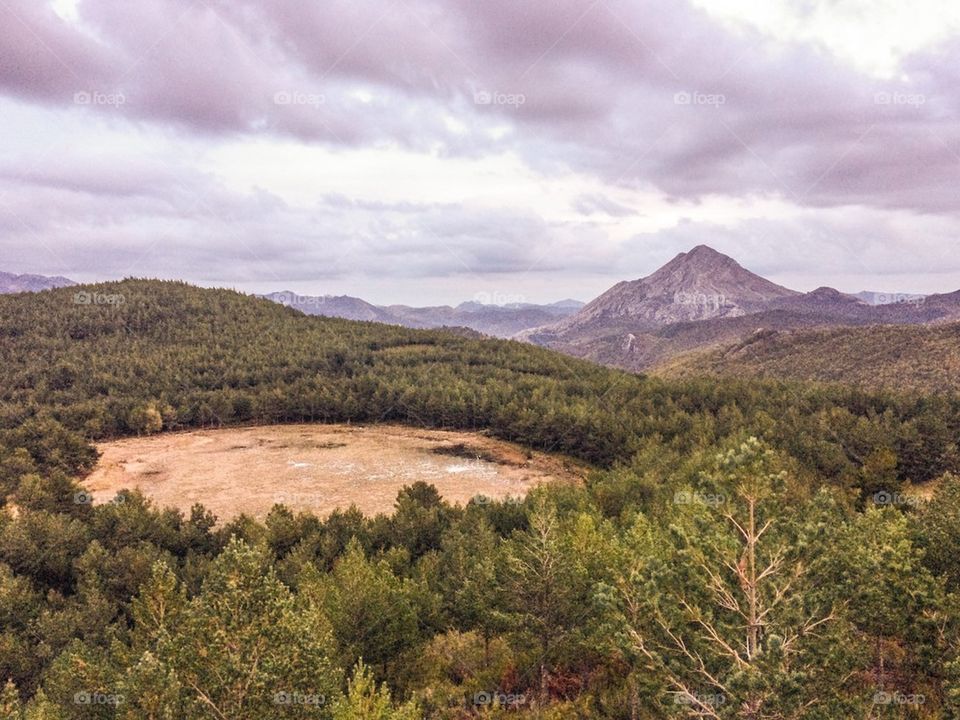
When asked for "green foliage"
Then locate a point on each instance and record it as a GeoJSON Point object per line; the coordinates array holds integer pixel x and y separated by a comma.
{"type": "Point", "coordinates": [726, 544]}
{"type": "Point", "coordinates": [937, 531]}
{"type": "Point", "coordinates": [10, 707]}
{"type": "Point", "coordinates": [547, 587]}
{"type": "Point", "coordinates": [721, 608]}
{"type": "Point", "coordinates": [373, 612]}
{"type": "Point", "coordinates": [145, 420]}
{"type": "Point", "coordinates": [174, 356]}
{"type": "Point", "coordinates": [244, 648]}
{"type": "Point", "coordinates": [44, 546]}
{"type": "Point", "coordinates": [364, 701]}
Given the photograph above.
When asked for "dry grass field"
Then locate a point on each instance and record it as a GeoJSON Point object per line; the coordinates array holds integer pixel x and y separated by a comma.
{"type": "Point", "coordinates": [317, 467]}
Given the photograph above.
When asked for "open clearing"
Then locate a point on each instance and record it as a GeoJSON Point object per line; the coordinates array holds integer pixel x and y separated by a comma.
{"type": "Point", "coordinates": [317, 467]}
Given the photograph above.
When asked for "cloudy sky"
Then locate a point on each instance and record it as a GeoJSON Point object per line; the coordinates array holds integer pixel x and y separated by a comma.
{"type": "Point", "coordinates": [428, 151]}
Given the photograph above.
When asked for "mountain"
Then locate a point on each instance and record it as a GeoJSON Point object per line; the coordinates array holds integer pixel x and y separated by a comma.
{"type": "Point", "coordinates": [10, 283]}
{"type": "Point", "coordinates": [696, 285]}
{"type": "Point", "coordinates": [567, 304]}
{"type": "Point", "coordinates": [923, 358]}
{"type": "Point", "coordinates": [703, 299]}
{"type": "Point", "coordinates": [496, 320]}
{"type": "Point", "coordinates": [341, 306]}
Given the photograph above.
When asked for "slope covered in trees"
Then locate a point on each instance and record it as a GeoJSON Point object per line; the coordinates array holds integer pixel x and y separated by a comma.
{"type": "Point", "coordinates": [743, 549]}
{"type": "Point", "coordinates": [166, 356]}
{"type": "Point", "coordinates": [904, 357]}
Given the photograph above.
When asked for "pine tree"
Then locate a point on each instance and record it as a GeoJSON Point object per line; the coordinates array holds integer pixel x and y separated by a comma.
{"type": "Point", "coordinates": [245, 649]}
{"type": "Point", "coordinates": [539, 575]}
{"type": "Point", "coordinates": [364, 701]}
{"type": "Point", "coordinates": [721, 608]}
{"type": "Point", "coordinates": [371, 610]}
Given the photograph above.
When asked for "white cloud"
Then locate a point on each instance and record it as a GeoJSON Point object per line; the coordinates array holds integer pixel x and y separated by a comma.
{"type": "Point", "coordinates": [872, 35]}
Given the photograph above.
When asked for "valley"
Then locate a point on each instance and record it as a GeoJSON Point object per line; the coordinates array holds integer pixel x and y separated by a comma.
{"type": "Point", "coordinates": [318, 468]}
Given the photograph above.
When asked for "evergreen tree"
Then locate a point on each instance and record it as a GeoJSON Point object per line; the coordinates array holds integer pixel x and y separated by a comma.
{"type": "Point", "coordinates": [721, 608]}
{"type": "Point", "coordinates": [371, 610]}
{"type": "Point", "coordinates": [364, 701]}
{"type": "Point", "coordinates": [244, 648]}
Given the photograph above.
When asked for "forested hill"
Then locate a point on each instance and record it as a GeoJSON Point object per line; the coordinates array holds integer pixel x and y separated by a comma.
{"type": "Point", "coordinates": [599, 601]}
{"type": "Point", "coordinates": [923, 358]}
{"type": "Point", "coordinates": [141, 356]}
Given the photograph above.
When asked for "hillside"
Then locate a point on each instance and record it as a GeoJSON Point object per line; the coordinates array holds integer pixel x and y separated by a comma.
{"type": "Point", "coordinates": [139, 356]}
{"type": "Point", "coordinates": [157, 604]}
{"type": "Point", "coordinates": [203, 358]}
{"type": "Point", "coordinates": [920, 358]}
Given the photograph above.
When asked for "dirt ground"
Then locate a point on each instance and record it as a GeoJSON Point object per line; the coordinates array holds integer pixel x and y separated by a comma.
{"type": "Point", "coordinates": [317, 467]}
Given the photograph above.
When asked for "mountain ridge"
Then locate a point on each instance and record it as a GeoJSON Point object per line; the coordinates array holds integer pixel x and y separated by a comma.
{"type": "Point", "coordinates": [703, 298]}
{"type": "Point", "coordinates": [27, 282]}
{"type": "Point", "coordinates": [496, 320]}
{"type": "Point", "coordinates": [697, 285]}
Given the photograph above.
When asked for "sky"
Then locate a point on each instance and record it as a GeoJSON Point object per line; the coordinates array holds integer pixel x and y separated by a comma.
{"type": "Point", "coordinates": [436, 151]}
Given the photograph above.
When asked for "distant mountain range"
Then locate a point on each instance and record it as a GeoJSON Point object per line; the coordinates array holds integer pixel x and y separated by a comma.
{"type": "Point", "coordinates": [10, 283]}
{"type": "Point", "coordinates": [704, 299]}
{"type": "Point", "coordinates": [495, 320]}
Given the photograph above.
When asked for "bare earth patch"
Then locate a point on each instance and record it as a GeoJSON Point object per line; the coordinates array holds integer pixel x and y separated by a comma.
{"type": "Point", "coordinates": [317, 467]}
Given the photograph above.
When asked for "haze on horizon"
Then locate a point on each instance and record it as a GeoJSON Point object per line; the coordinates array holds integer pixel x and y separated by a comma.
{"type": "Point", "coordinates": [433, 151]}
